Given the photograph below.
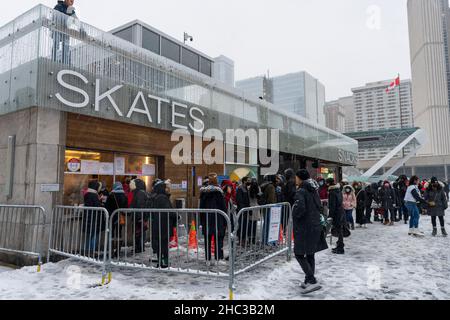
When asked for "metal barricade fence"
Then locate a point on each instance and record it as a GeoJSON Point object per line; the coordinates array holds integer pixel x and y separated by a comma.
{"type": "Point", "coordinates": [22, 230]}
{"type": "Point", "coordinates": [188, 241]}
{"type": "Point", "coordinates": [80, 233]}
{"type": "Point", "coordinates": [261, 233]}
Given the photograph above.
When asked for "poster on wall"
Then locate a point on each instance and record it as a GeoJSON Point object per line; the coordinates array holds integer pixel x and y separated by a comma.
{"type": "Point", "coordinates": [89, 167]}
{"type": "Point", "coordinates": [119, 163]}
{"type": "Point", "coordinates": [106, 169]}
{"type": "Point", "coordinates": [148, 170]}
{"type": "Point", "coordinates": [274, 225]}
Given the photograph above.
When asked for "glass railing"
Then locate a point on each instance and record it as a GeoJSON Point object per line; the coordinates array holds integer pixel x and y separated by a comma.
{"type": "Point", "coordinates": [43, 40]}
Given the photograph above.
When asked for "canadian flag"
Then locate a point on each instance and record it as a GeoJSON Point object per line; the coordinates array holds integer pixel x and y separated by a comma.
{"type": "Point", "coordinates": [394, 84]}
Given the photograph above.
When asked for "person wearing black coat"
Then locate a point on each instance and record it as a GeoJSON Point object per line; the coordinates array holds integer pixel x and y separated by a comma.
{"type": "Point", "coordinates": [117, 199]}
{"type": "Point", "coordinates": [140, 201]}
{"type": "Point", "coordinates": [335, 203]}
{"type": "Point", "coordinates": [386, 196]}
{"type": "Point", "coordinates": [243, 202]}
{"type": "Point", "coordinates": [360, 207]}
{"type": "Point", "coordinates": [163, 223]}
{"type": "Point", "coordinates": [402, 187]}
{"type": "Point", "coordinates": [290, 188]}
{"type": "Point", "coordinates": [309, 236]}
{"type": "Point", "coordinates": [93, 222]}
{"type": "Point", "coordinates": [213, 225]}
{"type": "Point", "coordinates": [369, 198]}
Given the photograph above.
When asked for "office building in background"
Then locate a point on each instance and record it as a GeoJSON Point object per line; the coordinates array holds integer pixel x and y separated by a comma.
{"type": "Point", "coordinates": [298, 92]}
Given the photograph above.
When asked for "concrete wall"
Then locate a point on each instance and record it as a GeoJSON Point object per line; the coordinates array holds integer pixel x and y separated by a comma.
{"type": "Point", "coordinates": [39, 159]}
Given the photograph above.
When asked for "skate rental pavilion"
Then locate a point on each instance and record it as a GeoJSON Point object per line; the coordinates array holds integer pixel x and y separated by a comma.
{"type": "Point", "coordinates": [78, 103]}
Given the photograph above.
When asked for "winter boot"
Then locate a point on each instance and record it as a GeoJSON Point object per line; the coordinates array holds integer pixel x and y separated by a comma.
{"type": "Point", "coordinates": [411, 231]}
{"type": "Point", "coordinates": [338, 251]}
{"type": "Point", "coordinates": [418, 233]}
{"type": "Point", "coordinates": [392, 223]}
{"type": "Point", "coordinates": [434, 234]}
{"type": "Point", "coordinates": [353, 226]}
{"type": "Point", "coordinates": [444, 232]}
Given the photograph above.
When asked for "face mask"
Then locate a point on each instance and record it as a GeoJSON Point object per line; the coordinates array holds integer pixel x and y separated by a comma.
{"type": "Point", "coordinates": [348, 190]}
{"type": "Point", "coordinates": [321, 183]}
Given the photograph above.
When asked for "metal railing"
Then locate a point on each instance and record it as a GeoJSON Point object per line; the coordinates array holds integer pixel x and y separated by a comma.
{"type": "Point", "coordinates": [261, 233]}
{"type": "Point", "coordinates": [80, 233]}
{"type": "Point", "coordinates": [22, 230]}
{"type": "Point", "coordinates": [187, 241]}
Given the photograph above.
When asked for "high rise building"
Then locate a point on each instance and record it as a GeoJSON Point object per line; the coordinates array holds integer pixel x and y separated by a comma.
{"type": "Point", "coordinates": [224, 70]}
{"type": "Point", "coordinates": [430, 67]}
{"type": "Point", "coordinates": [335, 116]}
{"type": "Point", "coordinates": [298, 92]}
{"type": "Point", "coordinates": [338, 109]}
{"type": "Point", "coordinates": [375, 109]}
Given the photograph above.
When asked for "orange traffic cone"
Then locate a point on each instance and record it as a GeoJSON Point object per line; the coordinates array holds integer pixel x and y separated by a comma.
{"type": "Point", "coordinates": [174, 240]}
{"type": "Point", "coordinates": [281, 237]}
{"type": "Point", "coordinates": [193, 243]}
{"type": "Point", "coordinates": [213, 246]}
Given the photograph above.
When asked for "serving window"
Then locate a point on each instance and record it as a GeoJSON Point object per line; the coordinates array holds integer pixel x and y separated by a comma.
{"type": "Point", "coordinates": [82, 166]}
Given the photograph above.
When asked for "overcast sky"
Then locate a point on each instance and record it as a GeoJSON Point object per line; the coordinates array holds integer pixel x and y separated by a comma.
{"type": "Point", "coordinates": [343, 43]}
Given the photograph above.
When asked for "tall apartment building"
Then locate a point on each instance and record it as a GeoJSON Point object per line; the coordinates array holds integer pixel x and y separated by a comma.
{"type": "Point", "coordinates": [223, 70]}
{"type": "Point", "coordinates": [430, 66]}
{"type": "Point", "coordinates": [335, 116]}
{"type": "Point", "coordinates": [340, 114]}
{"type": "Point", "coordinates": [376, 110]}
{"type": "Point", "coordinates": [298, 92]}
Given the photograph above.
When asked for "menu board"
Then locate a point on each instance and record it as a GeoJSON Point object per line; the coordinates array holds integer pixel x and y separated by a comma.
{"type": "Point", "coordinates": [106, 169]}
{"type": "Point", "coordinates": [90, 167]}
{"type": "Point", "coordinates": [274, 225]}
{"type": "Point", "coordinates": [119, 163]}
{"type": "Point", "coordinates": [148, 170]}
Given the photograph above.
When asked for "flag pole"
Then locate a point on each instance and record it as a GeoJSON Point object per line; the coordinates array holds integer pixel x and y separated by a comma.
{"type": "Point", "coordinates": [401, 118]}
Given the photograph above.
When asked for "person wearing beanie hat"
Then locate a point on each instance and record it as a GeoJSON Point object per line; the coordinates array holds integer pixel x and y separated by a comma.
{"type": "Point", "coordinates": [437, 204]}
{"type": "Point", "coordinates": [117, 199]}
{"type": "Point", "coordinates": [303, 174]}
{"type": "Point", "coordinates": [92, 221]}
{"type": "Point", "coordinates": [309, 235]}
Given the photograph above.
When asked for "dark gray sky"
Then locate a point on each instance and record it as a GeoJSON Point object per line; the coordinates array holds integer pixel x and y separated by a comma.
{"type": "Point", "coordinates": [343, 43]}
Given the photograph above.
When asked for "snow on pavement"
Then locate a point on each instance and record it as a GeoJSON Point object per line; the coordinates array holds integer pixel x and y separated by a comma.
{"type": "Point", "coordinates": [380, 263]}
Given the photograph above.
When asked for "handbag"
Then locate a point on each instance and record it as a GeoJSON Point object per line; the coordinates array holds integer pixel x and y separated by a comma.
{"type": "Point", "coordinates": [345, 231]}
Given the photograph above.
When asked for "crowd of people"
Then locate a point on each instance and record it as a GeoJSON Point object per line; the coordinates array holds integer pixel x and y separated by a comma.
{"type": "Point", "coordinates": [318, 207]}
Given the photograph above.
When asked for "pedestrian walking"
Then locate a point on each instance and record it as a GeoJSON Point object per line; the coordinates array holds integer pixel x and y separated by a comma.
{"type": "Point", "coordinates": [349, 204]}
{"type": "Point", "coordinates": [412, 197]}
{"type": "Point", "coordinates": [437, 204]}
{"type": "Point", "coordinates": [309, 236]}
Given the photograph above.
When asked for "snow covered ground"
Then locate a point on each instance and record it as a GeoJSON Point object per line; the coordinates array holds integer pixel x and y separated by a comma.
{"type": "Point", "coordinates": [380, 263]}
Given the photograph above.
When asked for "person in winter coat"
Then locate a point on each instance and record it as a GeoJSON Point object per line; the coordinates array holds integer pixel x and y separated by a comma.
{"type": "Point", "coordinates": [93, 221]}
{"type": "Point", "coordinates": [323, 194]}
{"type": "Point", "coordinates": [369, 198]}
{"type": "Point", "coordinates": [116, 200]}
{"type": "Point", "coordinates": [255, 216]}
{"type": "Point", "coordinates": [279, 187]}
{"type": "Point", "coordinates": [360, 207]}
{"type": "Point", "coordinates": [402, 187]}
{"type": "Point", "coordinates": [335, 203]}
{"type": "Point", "coordinates": [230, 200]}
{"type": "Point", "coordinates": [268, 197]}
{"type": "Point", "coordinates": [213, 225]}
{"type": "Point", "coordinates": [163, 223]}
{"type": "Point", "coordinates": [437, 204]}
{"type": "Point", "coordinates": [243, 202]}
{"type": "Point", "coordinates": [289, 189]}
{"type": "Point", "coordinates": [309, 236]}
{"type": "Point", "coordinates": [387, 198]}
{"type": "Point", "coordinates": [412, 197]}
{"type": "Point", "coordinates": [140, 201]}
{"type": "Point", "coordinates": [60, 39]}
{"type": "Point", "coordinates": [349, 204]}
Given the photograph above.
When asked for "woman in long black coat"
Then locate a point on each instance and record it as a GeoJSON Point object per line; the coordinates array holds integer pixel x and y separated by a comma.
{"type": "Point", "coordinates": [212, 197]}
{"type": "Point", "coordinates": [309, 236]}
{"type": "Point", "coordinates": [163, 223]}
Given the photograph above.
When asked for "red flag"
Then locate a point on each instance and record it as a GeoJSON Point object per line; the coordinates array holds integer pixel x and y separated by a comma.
{"type": "Point", "coordinates": [394, 84]}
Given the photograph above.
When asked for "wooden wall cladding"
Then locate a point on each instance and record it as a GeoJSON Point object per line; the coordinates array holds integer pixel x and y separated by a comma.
{"type": "Point", "coordinates": [86, 132]}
